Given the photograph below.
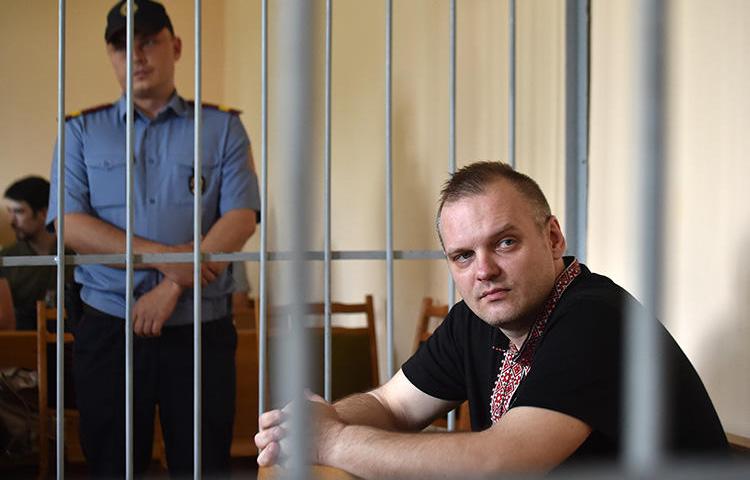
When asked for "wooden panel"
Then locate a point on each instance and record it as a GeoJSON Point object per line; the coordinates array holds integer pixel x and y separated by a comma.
{"type": "Point", "coordinates": [739, 443]}
{"type": "Point", "coordinates": [18, 349]}
{"type": "Point", "coordinates": [317, 472]}
{"type": "Point", "coordinates": [246, 407]}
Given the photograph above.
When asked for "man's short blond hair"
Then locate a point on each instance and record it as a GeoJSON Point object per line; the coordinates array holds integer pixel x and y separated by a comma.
{"type": "Point", "coordinates": [474, 180]}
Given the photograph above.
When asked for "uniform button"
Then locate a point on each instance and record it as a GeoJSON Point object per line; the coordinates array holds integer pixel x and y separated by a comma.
{"type": "Point", "coordinates": [151, 201]}
{"type": "Point", "coordinates": [151, 161]}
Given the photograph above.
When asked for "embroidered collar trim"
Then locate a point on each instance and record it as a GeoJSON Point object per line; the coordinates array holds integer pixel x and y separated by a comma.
{"type": "Point", "coordinates": [516, 363]}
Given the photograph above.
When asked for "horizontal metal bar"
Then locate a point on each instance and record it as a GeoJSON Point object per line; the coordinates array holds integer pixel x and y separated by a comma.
{"type": "Point", "coordinates": [187, 257]}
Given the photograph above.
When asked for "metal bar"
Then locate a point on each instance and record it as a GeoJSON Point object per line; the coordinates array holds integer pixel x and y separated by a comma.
{"type": "Point", "coordinates": [452, 147]}
{"type": "Point", "coordinates": [327, 331]}
{"type": "Point", "coordinates": [60, 258]}
{"type": "Point", "coordinates": [197, 231]}
{"type": "Point", "coordinates": [263, 273]}
{"type": "Point", "coordinates": [576, 125]}
{"type": "Point", "coordinates": [643, 395]}
{"type": "Point", "coordinates": [452, 89]}
{"type": "Point", "coordinates": [129, 249]}
{"type": "Point", "coordinates": [512, 83]}
{"type": "Point", "coordinates": [293, 121]}
{"type": "Point", "coordinates": [389, 184]}
{"type": "Point", "coordinates": [140, 259]}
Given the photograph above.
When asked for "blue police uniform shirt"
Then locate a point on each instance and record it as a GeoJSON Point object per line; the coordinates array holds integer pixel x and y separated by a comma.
{"type": "Point", "coordinates": [163, 191]}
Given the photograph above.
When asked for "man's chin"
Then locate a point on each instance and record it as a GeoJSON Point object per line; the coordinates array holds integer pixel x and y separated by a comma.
{"type": "Point", "coordinates": [497, 318]}
{"type": "Point", "coordinates": [503, 318]}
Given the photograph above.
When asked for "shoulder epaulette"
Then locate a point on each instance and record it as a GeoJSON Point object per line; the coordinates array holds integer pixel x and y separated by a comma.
{"type": "Point", "coordinates": [86, 111]}
{"type": "Point", "coordinates": [214, 106]}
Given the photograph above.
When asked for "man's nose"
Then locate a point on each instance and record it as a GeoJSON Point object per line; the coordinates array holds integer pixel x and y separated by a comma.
{"type": "Point", "coordinates": [487, 267]}
{"type": "Point", "coordinates": [138, 55]}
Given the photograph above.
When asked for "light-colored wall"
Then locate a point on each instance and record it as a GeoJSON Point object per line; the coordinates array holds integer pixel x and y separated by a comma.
{"type": "Point", "coordinates": [707, 278]}
{"type": "Point", "coordinates": [420, 127]}
{"type": "Point", "coordinates": [708, 226]}
{"type": "Point", "coordinates": [28, 79]}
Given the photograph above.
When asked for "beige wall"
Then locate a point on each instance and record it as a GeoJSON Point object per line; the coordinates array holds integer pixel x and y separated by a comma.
{"type": "Point", "coordinates": [708, 221]}
{"type": "Point", "coordinates": [707, 278]}
{"type": "Point", "coordinates": [28, 80]}
{"type": "Point", "coordinates": [420, 127]}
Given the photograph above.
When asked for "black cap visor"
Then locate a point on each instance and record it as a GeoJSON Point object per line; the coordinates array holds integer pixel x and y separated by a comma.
{"type": "Point", "coordinates": [117, 37]}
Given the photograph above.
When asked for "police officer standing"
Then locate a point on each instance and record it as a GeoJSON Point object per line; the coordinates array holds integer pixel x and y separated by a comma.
{"type": "Point", "coordinates": [95, 218]}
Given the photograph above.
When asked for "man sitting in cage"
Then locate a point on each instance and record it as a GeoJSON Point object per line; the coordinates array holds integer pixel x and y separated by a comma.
{"type": "Point", "coordinates": [164, 185]}
{"type": "Point", "coordinates": [535, 347]}
{"type": "Point", "coordinates": [21, 287]}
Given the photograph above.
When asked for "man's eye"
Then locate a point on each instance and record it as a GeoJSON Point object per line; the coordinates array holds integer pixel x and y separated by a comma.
{"type": "Point", "coordinates": [462, 257]}
{"type": "Point", "coordinates": [506, 243]}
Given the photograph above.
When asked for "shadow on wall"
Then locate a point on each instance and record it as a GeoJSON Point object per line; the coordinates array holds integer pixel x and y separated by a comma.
{"type": "Point", "coordinates": [726, 375]}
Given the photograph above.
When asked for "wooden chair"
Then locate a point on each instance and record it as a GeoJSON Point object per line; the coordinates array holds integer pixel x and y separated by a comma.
{"type": "Point", "coordinates": [44, 338]}
{"type": "Point", "coordinates": [433, 313]}
{"type": "Point", "coordinates": [246, 397]}
{"type": "Point", "coordinates": [354, 361]}
{"type": "Point", "coordinates": [17, 349]}
{"type": "Point", "coordinates": [429, 312]}
{"type": "Point", "coordinates": [739, 445]}
{"type": "Point", "coordinates": [73, 451]}
{"type": "Point", "coordinates": [244, 313]}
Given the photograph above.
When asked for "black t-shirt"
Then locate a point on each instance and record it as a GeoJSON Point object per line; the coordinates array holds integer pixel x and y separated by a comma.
{"type": "Point", "coordinates": [576, 370]}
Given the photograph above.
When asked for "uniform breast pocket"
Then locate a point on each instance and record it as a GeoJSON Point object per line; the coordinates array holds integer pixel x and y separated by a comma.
{"type": "Point", "coordinates": [106, 180]}
{"type": "Point", "coordinates": [183, 182]}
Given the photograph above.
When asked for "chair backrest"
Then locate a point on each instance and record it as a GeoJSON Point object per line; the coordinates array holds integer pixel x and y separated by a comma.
{"type": "Point", "coordinates": [44, 337]}
{"type": "Point", "coordinates": [244, 311]}
{"type": "Point", "coordinates": [429, 314]}
{"type": "Point", "coordinates": [246, 397]}
{"type": "Point", "coordinates": [354, 362]}
{"type": "Point", "coordinates": [46, 316]}
{"type": "Point", "coordinates": [17, 349]}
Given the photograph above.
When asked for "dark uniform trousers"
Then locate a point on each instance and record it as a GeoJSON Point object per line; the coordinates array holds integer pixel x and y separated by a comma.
{"type": "Point", "coordinates": [163, 376]}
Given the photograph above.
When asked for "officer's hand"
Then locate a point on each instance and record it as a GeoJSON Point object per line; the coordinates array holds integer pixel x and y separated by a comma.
{"type": "Point", "coordinates": [154, 308]}
{"type": "Point", "coordinates": [182, 273]}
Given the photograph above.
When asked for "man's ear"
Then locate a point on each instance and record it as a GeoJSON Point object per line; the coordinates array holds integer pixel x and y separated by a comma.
{"type": "Point", "coordinates": [556, 238]}
{"type": "Point", "coordinates": [42, 212]}
{"type": "Point", "coordinates": [177, 45]}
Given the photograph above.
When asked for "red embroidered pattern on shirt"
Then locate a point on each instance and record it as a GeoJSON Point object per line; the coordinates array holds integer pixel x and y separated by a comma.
{"type": "Point", "coordinates": [516, 364]}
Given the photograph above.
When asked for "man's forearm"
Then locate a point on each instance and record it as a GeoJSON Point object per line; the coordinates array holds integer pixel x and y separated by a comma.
{"type": "Point", "coordinates": [230, 232]}
{"type": "Point", "coordinates": [369, 452]}
{"type": "Point", "coordinates": [526, 439]}
{"type": "Point", "coordinates": [87, 234]}
{"type": "Point", "coordinates": [365, 409]}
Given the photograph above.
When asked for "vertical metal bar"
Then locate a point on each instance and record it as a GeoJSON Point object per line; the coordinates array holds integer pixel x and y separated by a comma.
{"type": "Point", "coordinates": [262, 291]}
{"type": "Point", "coordinates": [293, 121]}
{"type": "Point", "coordinates": [129, 248]}
{"type": "Point", "coordinates": [643, 396]}
{"type": "Point", "coordinates": [512, 83]}
{"type": "Point", "coordinates": [389, 184]}
{"type": "Point", "coordinates": [327, 334]}
{"type": "Point", "coordinates": [197, 230]}
{"type": "Point", "coordinates": [576, 125]}
{"type": "Point", "coordinates": [452, 148]}
{"type": "Point", "coordinates": [59, 339]}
